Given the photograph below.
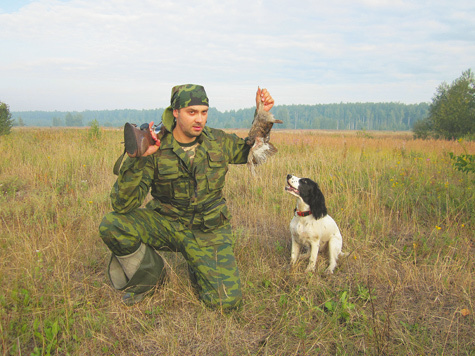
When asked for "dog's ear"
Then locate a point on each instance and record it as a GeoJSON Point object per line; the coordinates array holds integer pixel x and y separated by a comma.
{"type": "Point", "coordinates": [316, 200]}
{"type": "Point", "coordinates": [306, 190]}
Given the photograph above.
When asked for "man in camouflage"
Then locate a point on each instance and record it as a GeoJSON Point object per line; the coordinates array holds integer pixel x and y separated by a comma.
{"type": "Point", "coordinates": [185, 171]}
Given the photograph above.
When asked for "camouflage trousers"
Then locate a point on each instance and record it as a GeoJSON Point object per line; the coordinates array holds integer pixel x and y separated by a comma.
{"type": "Point", "coordinates": [213, 270]}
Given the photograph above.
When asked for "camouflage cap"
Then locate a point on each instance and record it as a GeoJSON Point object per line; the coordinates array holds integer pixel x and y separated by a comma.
{"type": "Point", "coordinates": [187, 95]}
{"type": "Point", "coordinates": [183, 96]}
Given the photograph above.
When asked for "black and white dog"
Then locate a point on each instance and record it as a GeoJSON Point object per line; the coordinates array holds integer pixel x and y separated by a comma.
{"type": "Point", "coordinates": [312, 226]}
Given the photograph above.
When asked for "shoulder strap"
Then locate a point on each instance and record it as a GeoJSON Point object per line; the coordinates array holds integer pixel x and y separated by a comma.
{"type": "Point", "coordinates": [118, 163]}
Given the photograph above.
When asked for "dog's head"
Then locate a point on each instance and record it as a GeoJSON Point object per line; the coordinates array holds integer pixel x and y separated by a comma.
{"type": "Point", "coordinates": [310, 193]}
{"type": "Point", "coordinates": [301, 187]}
{"type": "Point", "coordinates": [292, 186]}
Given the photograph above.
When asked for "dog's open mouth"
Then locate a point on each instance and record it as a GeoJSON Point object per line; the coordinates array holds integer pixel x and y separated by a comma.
{"type": "Point", "coordinates": [291, 189]}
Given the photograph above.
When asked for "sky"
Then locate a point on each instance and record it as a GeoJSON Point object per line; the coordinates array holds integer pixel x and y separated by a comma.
{"type": "Point", "coordinates": [75, 55]}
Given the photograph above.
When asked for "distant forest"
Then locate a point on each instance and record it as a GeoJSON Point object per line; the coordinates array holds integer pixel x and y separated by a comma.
{"type": "Point", "coordinates": [343, 116]}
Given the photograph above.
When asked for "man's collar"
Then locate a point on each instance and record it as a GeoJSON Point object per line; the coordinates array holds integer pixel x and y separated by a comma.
{"type": "Point", "coordinates": [168, 140]}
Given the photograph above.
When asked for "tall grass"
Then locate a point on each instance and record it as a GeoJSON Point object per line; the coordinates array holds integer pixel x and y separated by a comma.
{"type": "Point", "coordinates": [406, 287]}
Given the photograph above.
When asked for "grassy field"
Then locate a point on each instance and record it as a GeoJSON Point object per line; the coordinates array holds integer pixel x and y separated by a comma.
{"type": "Point", "coordinates": [406, 288]}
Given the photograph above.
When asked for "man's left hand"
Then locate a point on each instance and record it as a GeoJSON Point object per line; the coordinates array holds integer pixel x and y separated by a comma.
{"type": "Point", "coordinates": [264, 96]}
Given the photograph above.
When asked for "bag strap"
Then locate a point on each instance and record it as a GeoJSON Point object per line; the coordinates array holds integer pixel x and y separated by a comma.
{"type": "Point", "coordinates": [118, 163]}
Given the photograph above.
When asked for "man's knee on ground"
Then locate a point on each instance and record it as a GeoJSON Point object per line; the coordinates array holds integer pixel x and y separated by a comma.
{"type": "Point", "coordinates": [106, 229]}
{"type": "Point", "coordinates": [104, 226]}
{"type": "Point", "coordinates": [114, 236]}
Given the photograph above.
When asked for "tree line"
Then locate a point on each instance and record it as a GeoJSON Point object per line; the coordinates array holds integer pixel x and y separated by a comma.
{"type": "Point", "coordinates": [342, 116]}
{"type": "Point", "coordinates": [452, 111]}
{"type": "Point", "coordinates": [451, 115]}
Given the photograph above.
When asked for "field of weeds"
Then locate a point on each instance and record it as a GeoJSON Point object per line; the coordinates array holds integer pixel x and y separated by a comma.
{"type": "Point", "coordinates": [406, 288]}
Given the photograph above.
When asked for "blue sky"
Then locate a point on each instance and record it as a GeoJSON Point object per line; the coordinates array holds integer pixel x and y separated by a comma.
{"type": "Point", "coordinates": [116, 54]}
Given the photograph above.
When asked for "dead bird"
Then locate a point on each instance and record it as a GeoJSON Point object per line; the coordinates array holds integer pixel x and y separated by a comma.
{"type": "Point", "coordinates": [259, 136]}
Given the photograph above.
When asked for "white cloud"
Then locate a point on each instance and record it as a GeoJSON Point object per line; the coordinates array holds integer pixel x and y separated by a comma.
{"type": "Point", "coordinates": [85, 54]}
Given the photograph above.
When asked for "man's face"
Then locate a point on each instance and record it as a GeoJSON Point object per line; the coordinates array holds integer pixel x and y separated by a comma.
{"type": "Point", "coordinates": [190, 122]}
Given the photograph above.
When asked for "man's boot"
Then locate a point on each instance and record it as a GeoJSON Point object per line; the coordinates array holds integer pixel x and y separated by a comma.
{"type": "Point", "coordinates": [137, 273]}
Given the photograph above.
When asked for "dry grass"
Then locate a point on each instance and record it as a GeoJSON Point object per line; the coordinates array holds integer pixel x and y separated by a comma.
{"type": "Point", "coordinates": [406, 288]}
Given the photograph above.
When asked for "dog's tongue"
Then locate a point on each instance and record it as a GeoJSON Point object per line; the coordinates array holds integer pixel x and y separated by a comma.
{"type": "Point", "coordinates": [291, 189]}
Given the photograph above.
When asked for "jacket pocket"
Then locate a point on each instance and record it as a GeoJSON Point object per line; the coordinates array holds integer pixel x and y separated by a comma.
{"type": "Point", "coordinates": [164, 179]}
{"type": "Point", "coordinates": [216, 217]}
{"type": "Point", "coordinates": [217, 169]}
{"type": "Point", "coordinates": [172, 184]}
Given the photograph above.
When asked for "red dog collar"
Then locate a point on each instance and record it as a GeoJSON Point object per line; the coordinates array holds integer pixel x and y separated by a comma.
{"type": "Point", "coordinates": [303, 213]}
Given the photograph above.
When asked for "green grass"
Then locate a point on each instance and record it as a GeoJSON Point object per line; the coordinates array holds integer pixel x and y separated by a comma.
{"type": "Point", "coordinates": [405, 213]}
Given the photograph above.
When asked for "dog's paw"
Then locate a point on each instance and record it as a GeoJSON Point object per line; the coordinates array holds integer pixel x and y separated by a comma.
{"type": "Point", "coordinates": [310, 270]}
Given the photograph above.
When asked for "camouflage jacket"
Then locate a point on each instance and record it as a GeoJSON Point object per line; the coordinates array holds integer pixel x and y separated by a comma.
{"type": "Point", "coordinates": [189, 193]}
